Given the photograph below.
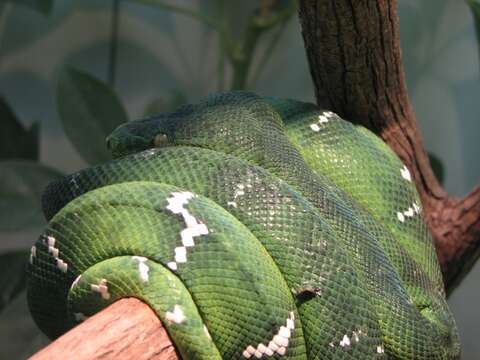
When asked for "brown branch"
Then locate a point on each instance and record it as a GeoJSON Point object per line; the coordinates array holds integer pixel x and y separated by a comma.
{"type": "Point", "coordinates": [353, 47]}
{"type": "Point", "coordinates": [127, 329]}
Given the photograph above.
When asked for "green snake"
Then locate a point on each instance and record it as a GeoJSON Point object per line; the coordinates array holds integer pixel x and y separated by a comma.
{"type": "Point", "coordinates": [254, 228]}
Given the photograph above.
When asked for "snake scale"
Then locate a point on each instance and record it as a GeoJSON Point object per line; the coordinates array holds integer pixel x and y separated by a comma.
{"type": "Point", "coordinates": [254, 227]}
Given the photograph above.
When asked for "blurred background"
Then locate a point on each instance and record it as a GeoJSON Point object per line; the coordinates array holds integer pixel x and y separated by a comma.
{"type": "Point", "coordinates": [70, 71]}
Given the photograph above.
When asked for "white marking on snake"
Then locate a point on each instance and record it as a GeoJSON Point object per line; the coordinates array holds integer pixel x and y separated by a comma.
{"type": "Point", "coordinates": [176, 315]}
{"type": "Point", "coordinates": [239, 191]}
{"type": "Point", "coordinates": [410, 212]}
{"type": "Point", "coordinates": [262, 349]}
{"type": "Point", "coordinates": [75, 282]}
{"type": "Point", "coordinates": [147, 153]}
{"type": "Point", "coordinates": [345, 341]}
{"type": "Point", "coordinates": [181, 254]}
{"type": "Point", "coordinates": [405, 173]}
{"type": "Point", "coordinates": [194, 228]}
{"type": "Point", "coordinates": [80, 317]}
{"type": "Point", "coordinates": [62, 265]}
{"type": "Point", "coordinates": [278, 344]}
{"type": "Point", "coordinates": [380, 349]}
{"type": "Point", "coordinates": [280, 340]}
{"type": "Point", "coordinates": [284, 332]}
{"type": "Point", "coordinates": [101, 288]}
{"type": "Point", "coordinates": [322, 119]}
{"type": "Point", "coordinates": [248, 352]}
{"type": "Point", "coordinates": [205, 330]}
{"type": "Point", "coordinates": [417, 208]}
{"type": "Point", "coordinates": [272, 346]}
{"type": "Point", "coordinates": [178, 200]}
{"type": "Point", "coordinates": [143, 268]}
{"type": "Point", "coordinates": [33, 253]}
{"type": "Point", "coordinates": [355, 337]}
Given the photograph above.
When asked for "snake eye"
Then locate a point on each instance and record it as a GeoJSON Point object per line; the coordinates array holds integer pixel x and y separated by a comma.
{"type": "Point", "coordinates": [160, 140]}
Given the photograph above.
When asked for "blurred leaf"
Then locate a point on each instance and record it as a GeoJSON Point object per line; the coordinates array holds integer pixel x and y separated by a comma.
{"type": "Point", "coordinates": [15, 140]}
{"type": "Point", "coordinates": [272, 12]}
{"type": "Point", "coordinates": [21, 185]}
{"type": "Point", "coordinates": [475, 9]}
{"type": "Point", "coordinates": [89, 110]}
{"type": "Point", "coordinates": [43, 6]}
{"type": "Point", "coordinates": [166, 104]}
{"type": "Point", "coordinates": [171, 6]}
{"type": "Point", "coordinates": [20, 338]}
{"type": "Point", "coordinates": [12, 275]}
{"type": "Point", "coordinates": [437, 167]}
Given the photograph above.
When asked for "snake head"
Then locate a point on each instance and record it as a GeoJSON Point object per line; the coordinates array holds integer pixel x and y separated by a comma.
{"type": "Point", "coordinates": [140, 135]}
{"type": "Point", "coordinates": [221, 122]}
{"type": "Point", "coordinates": [129, 138]}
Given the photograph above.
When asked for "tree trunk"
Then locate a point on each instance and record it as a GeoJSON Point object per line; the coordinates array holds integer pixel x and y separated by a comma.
{"type": "Point", "coordinates": [353, 48]}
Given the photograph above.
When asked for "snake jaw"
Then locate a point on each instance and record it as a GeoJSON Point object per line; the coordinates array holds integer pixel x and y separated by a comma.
{"type": "Point", "coordinates": [122, 147]}
{"type": "Point", "coordinates": [134, 137]}
{"type": "Point", "coordinates": [137, 136]}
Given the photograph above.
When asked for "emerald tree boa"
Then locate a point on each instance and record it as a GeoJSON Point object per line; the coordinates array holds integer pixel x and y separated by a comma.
{"type": "Point", "coordinates": [254, 227]}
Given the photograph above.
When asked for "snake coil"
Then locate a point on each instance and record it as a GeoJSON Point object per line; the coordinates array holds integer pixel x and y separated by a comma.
{"type": "Point", "coordinates": [254, 227]}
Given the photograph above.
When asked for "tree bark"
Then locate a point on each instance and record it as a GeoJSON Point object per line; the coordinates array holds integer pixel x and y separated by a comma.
{"type": "Point", "coordinates": [353, 48]}
{"type": "Point", "coordinates": [127, 329]}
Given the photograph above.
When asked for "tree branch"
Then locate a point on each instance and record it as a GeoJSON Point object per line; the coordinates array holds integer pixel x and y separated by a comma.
{"type": "Point", "coordinates": [127, 329]}
{"type": "Point", "coordinates": [353, 48]}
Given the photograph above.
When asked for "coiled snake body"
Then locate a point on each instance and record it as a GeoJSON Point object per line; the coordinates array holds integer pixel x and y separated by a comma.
{"type": "Point", "coordinates": [255, 228]}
